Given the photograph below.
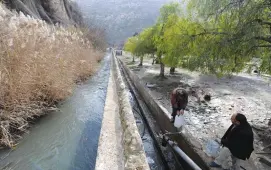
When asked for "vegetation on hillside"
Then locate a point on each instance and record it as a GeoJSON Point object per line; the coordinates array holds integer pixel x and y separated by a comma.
{"type": "Point", "coordinates": [218, 37]}
{"type": "Point", "coordinates": [39, 66]}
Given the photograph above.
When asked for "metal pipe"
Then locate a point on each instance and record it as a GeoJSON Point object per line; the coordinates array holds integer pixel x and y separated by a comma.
{"type": "Point", "coordinates": [190, 162]}
{"type": "Point", "coordinates": [172, 133]}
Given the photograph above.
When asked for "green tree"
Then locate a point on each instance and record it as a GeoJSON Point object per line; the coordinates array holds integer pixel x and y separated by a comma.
{"type": "Point", "coordinates": [177, 42]}
{"type": "Point", "coordinates": [141, 44]}
{"type": "Point", "coordinates": [151, 40]}
{"type": "Point", "coordinates": [218, 37]}
{"type": "Point", "coordinates": [145, 44]}
{"type": "Point", "coordinates": [235, 31]}
{"type": "Point", "coordinates": [168, 10]}
{"type": "Point", "coordinates": [131, 45]}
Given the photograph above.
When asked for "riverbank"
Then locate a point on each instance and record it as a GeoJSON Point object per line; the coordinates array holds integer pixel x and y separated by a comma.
{"type": "Point", "coordinates": [40, 65]}
{"type": "Point", "coordinates": [243, 93]}
{"type": "Point", "coordinates": [67, 138]}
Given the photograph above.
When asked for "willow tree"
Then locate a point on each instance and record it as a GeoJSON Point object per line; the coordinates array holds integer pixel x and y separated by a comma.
{"type": "Point", "coordinates": [171, 9]}
{"type": "Point", "coordinates": [141, 44]}
{"type": "Point", "coordinates": [178, 41]}
{"type": "Point", "coordinates": [131, 45]}
{"type": "Point", "coordinates": [146, 44]}
{"type": "Point", "coordinates": [234, 32]}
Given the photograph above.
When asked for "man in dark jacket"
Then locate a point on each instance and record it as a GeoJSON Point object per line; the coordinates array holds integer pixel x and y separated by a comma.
{"type": "Point", "coordinates": [237, 143]}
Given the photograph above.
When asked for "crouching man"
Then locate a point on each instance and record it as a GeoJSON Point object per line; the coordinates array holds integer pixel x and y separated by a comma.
{"type": "Point", "coordinates": [179, 100]}
{"type": "Point", "coordinates": [237, 144]}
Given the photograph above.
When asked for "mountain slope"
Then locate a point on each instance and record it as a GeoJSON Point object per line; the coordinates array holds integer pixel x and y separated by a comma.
{"type": "Point", "coordinates": [64, 12]}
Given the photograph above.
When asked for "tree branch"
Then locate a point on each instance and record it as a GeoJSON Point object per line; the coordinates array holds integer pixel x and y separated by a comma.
{"type": "Point", "coordinates": [257, 46]}
{"type": "Point", "coordinates": [263, 46]}
{"type": "Point", "coordinates": [212, 33]}
{"type": "Point", "coordinates": [267, 39]}
{"type": "Point", "coordinates": [263, 22]}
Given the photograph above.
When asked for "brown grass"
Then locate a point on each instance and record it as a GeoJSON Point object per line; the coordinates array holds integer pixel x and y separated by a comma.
{"type": "Point", "coordinates": [39, 65]}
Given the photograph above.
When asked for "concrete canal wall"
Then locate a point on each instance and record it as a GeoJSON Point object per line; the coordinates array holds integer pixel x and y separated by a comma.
{"type": "Point", "coordinates": [120, 144]}
{"type": "Point", "coordinates": [185, 140]}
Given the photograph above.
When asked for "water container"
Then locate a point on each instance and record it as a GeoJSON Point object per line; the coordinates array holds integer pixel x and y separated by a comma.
{"type": "Point", "coordinates": [212, 148]}
{"type": "Point", "coordinates": [179, 121]}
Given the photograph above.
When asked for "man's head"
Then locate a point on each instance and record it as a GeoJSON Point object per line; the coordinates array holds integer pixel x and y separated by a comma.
{"type": "Point", "coordinates": [181, 95]}
{"type": "Point", "coordinates": [238, 119]}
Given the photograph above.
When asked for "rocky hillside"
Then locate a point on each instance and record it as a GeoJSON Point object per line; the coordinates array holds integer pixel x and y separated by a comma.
{"type": "Point", "coordinates": [53, 11]}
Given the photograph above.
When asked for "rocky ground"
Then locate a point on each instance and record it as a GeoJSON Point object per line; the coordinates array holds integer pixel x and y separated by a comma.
{"type": "Point", "coordinates": [243, 93]}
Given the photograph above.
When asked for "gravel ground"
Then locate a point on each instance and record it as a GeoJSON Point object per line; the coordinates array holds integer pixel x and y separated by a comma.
{"type": "Point", "coordinates": [244, 93]}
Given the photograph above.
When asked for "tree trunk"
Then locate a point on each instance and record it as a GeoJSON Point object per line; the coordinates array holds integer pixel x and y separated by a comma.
{"type": "Point", "coordinates": [162, 70]}
{"type": "Point", "coordinates": [157, 61]}
{"type": "Point", "coordinates": [133, 59]}
{"type": "Point", "coordinates": [153, 59]}
{"type": "Point", "coordinates": [172, 70]}
{"type": "Point", "coordinates": [162, 66]}
{"type": "Point", "coordinates": [141, 61]}
{"type": "Point", "coordinates": [269, 63]}
{"type": "Point", "coordinates": [235, 65]}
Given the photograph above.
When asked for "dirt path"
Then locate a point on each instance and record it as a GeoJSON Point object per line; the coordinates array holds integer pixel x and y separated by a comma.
{"type": "Point", "coordinates": [247, 94]}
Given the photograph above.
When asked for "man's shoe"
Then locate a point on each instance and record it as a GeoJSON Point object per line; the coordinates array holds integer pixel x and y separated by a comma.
{"type": "Point", "coordinates": [214, 165]}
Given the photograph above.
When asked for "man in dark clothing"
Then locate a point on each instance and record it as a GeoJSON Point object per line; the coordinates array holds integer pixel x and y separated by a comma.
{"type": "Point", "coordinates": [179, 100]}
{"type": "Point", "coordinates": [237, 143]}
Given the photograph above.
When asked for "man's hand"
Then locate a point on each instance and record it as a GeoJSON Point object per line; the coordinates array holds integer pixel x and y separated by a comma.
{"type": "Point", "coordinates": [224, 142]}
{"type": "Point", "coordinates": [178, 112]}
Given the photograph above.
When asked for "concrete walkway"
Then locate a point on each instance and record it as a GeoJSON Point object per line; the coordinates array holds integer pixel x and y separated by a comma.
{"type": "Point", "coordinates": [110, 149]}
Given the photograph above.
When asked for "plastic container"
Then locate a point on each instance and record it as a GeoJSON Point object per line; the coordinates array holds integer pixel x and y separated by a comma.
{"type": "Point", "coordinates": [212, 148]}
{"type": "Point", "coordinates": [179, 121]}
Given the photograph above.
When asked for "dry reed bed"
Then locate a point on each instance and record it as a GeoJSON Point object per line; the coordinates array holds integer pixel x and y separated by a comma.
{"type": "Point", "coordinates": [39, 65]}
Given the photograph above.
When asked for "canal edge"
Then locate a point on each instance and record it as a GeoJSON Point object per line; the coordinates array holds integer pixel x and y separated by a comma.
{"type": "Point", "coordinates": [133, 154]}
{"type": "Point", "coordinates": [110, 150]}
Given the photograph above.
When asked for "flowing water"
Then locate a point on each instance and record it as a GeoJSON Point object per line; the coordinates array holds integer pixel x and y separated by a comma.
{"type": "Point", "coordinates": [66, 139]}
{"type": "Point", "coordinates": [153, 157]}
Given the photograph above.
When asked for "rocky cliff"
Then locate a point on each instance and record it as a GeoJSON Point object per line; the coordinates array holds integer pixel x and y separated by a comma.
{"type": "Point", "coordinates": [53, 11]}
